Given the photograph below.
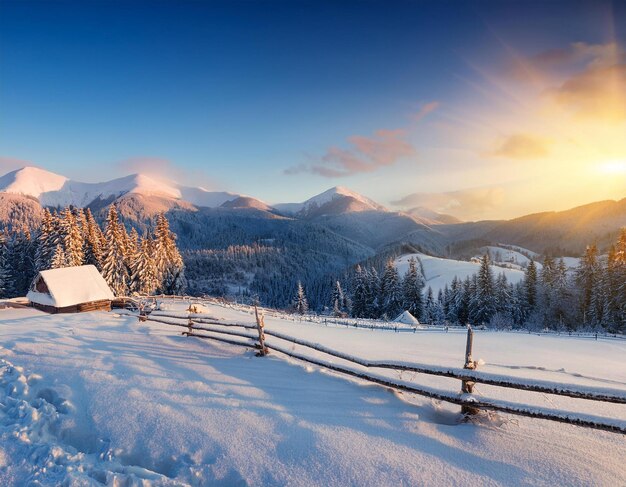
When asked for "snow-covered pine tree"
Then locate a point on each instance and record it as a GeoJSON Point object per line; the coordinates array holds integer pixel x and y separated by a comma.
{"type": "Point", "coordinates": [47, 240]}
{"type": "Point", "coordinates": [169, 263]}
{"type": "Point", "coordinates": [429, 307]}
{"type": "Point", "coordinates": [412, 286]}
{"type": "Point", "coordinates": [20, 264]}
{"type": "Point", "coordinates": [5, 283]}
{"type": "Point", "coordinates": [588, 279]}
{"type": "Point", "coordinates": [114, 269]}
{"type": "Point", "coordinates": [300, 303]}
{"type": "Point", "coordinates": [338, 300]}
{"type": "Point", "coordinates": [502, 303]}
{"type": "Point", "coordinates": [59, 259]}
{"type": "Point", "coordinates": [485, 292]}
{"type": "Point", "coordinates": [359, 293]}
{"type": "Point", "coordinates": [72, 238]}
{"type": "Point", "coordinates": [620, 276]}
{"type": "Point", "coordinates": [373, 294]}
{"type": "Point", "coordinates": [390, 291]}
{"type": "Point", "coordinates": [144, 279]}
{"type": "Point", "coordinates": [93, 241]}
{"type": "Point", "coordinates": [439, 315]}
{"type": "Point", "coordinates": [530, 286]}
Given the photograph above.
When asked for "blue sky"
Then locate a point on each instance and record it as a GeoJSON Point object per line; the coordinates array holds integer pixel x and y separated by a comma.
{"type": "Point", "coordinates": [283, 100]}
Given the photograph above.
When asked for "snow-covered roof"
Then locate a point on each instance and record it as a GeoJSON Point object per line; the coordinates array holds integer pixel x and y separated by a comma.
{"type": "Point", "coordinates": [406, 318]}
{"type": "Point", "coordinates": [69, 286]}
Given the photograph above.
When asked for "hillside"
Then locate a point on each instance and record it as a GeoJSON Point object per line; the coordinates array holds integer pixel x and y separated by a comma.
{"type": "Point", "coordinates": [438, 271]}
{"type": "Point", "coordinates": [558, 233]}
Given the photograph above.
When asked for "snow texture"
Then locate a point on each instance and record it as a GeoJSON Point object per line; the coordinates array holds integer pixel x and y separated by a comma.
{"type": "Point", "coordinates": [101, 398]}
{"type": "Point", "coordinates": [439, 271]}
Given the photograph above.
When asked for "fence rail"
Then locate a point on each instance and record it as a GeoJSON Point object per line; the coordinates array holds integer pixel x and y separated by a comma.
{"type": "Point", "coordinates": [470, 404]}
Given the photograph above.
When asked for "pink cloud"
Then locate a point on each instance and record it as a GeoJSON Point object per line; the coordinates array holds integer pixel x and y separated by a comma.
{"type": "Point", "coordinates": [424, 110]}
{"type": "Point", "coordinates": [8, 164]}
{"type": "Point", "coordinates": [367, 154]}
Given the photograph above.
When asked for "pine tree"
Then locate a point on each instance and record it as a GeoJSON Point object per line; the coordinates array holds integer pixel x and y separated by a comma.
{"type": "Point", "coordinates": [485, 295]}
{"type": "Point", "coordinates": [373, 294]}
{"type": "Point", "coordinates": [114, 269]}
{"type": "Point", "coordinates": [144, 280]}
{"type": "Point", "coordinates": [530, 287]}
{"type": "Point", "coordinates": [338, 300]}
{"type": "Point", "coordinates": [359, 293]}
{"type": "Point", "coordinates": [412, 286]}
{"type": "Point", "coordinates": [5, 284]}
{"type": "Point", "coordinates": [620, 284]}
{"type": "Point", "coordinates": [59, 259]}
{"type": "Point", "coordinates": [455, 300]}
{"type": "Point", "coordinates": [429, 307]}
{"type": "Point", "coordinates": [72, 238]}
{"type": "Point", "coordinates": [20, 263]}
{"type": "Point", "coordinates": [169, 263]}
{"type": "Point", "coordinates": [47, 240]}
{"type": "Point", "coordinates": [300, 303]}
{"type": "Point", "coordinates": [588, 280]}
{"type": "Point", "coordinates": [390, 291]}
{"type": "Point", "coordinates": [93, 240]}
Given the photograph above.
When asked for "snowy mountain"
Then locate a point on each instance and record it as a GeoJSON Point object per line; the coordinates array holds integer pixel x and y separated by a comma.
{"type": "Point", "coordinates": [556, 232]}
{"type": "Point", "coordinates": [58, 191]}
{"type": "Point", "coordinates": [335, 201]}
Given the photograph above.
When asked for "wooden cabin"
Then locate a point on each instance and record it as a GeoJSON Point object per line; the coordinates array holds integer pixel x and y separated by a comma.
{"type": "Point", "coordinates": [70, 290]}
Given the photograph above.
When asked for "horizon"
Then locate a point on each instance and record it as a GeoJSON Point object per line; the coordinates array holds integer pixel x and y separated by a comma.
{"type": "Point", "coordinates": [465, 109]}
{"type": "Point", "coordinates": [306, 198]}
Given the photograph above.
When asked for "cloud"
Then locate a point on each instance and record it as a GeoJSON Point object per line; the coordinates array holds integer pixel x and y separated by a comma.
{"type": "Point", "coordinates": [523, 146]}
{"type": "Point", "coordinates": [160, 168]}
{"type": "Point", "coordinates": [467, 204]}
{"type": "Point", "coordinates": [576, 53]}
{"type": "Point", "coordinates": [8, 164]}
{"type": "Point", "coordinates": [596, 92]}
{"type": "Point", "coordinates": [367, 154]}
{"type": "Point", "coordinates": [425, 109]}
{"type": "Point", "coordinates": [586, 80]}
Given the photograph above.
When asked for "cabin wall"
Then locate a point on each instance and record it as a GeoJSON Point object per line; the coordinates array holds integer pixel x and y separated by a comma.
{"type": "Point", "coordinates": [103, 305]}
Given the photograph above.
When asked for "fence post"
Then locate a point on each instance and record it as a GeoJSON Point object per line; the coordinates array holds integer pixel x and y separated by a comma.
{"type": "Point", "coordinates": [189, 321]}
{"type": "Point", "coordinates": [467, 386]}
{"type": "Point", "coordinates": [260, 324]}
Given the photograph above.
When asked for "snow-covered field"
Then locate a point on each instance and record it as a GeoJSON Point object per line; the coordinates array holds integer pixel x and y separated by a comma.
{"type": "Point", "coordinates": [100, 398]}
{"type": "Point", "coordinates": [439, 271]}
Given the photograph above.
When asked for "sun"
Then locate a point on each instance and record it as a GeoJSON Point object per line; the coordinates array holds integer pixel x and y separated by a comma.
{"type": "Point", "coordinates": [613, 167]}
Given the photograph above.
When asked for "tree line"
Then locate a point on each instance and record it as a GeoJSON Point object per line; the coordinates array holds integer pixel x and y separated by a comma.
{"type": "Point", "coordinates": [130, 263]}
{"type": "Point", "coordinates": [550, 296]}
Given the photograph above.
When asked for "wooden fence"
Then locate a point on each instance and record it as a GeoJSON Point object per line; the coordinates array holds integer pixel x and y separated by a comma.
{"type": "Point", "coordinates": [256, 335]}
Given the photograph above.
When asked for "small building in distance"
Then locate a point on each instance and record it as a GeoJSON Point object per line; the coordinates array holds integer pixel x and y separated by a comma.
{"type": "Point", "coordinates": [407, 319]}
{"type": "Point", "coordinates": [70, 290]}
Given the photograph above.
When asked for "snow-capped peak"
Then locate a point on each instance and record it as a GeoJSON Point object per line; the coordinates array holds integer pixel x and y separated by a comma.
{"type": "Point", "coordinates": [341, 191]}
{"type": "Point", "coordinates": [57, 191]}
{"type": "Point", "coordinates": [332, 201]}
{"type": "Point", "coordinates": [31, 181]}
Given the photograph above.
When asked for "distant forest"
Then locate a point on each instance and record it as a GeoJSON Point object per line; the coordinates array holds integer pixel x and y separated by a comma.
{"type": "Point", "coordinates": [300, 267]}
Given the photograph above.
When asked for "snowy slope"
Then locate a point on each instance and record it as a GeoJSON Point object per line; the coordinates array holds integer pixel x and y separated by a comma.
{"type": "Point", "coordinates": [99, 398]}
{"type": "Point", "coordinates": [54, 190]}
{"type": "Point", "coordinates": [503, 255]}
{"type": "Point", "coordinates": [439, 271]}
